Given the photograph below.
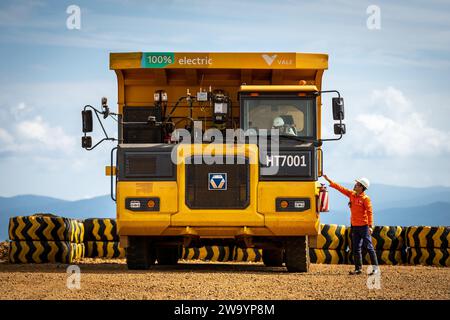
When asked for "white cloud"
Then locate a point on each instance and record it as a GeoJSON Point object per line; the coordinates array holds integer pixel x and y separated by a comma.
{"type": "Point", "coordinates": [20, 111]}
{"type": "Point", "coordinates": [393, 128]}
{"type": "Point", "coordinates": [34, 137]}
{"type": "Point", "coordinates": [5, 137]}
{"type": "Point", "coordinates": [52, 138]}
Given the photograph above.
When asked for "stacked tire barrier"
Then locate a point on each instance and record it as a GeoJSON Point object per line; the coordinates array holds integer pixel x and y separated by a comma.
{"type": "Point", "coordinates": [45, 238]}
{"type": "Point", "coordinates": [428, 246]}
{"type": "Point", "coordinates": [102, 239]}
{"type": "Point", "coordinates": [389, 244]}
{"type": "Point", "coordinates": [331, 245]}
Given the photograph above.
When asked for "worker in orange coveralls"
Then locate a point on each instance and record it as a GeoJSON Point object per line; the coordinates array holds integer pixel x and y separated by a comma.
{"type": "Point", "coordinates": [361, 220]}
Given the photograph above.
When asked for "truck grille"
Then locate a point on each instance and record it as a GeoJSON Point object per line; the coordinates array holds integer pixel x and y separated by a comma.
{"type": "Point", "coordinates": [199, 194]}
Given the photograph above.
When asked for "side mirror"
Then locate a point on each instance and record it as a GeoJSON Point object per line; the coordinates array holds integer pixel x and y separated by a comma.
{"type": "Point", "coordinates": [86, 142]}
{"type": "Point", "coordinates": [87, 120]}
{"type": "Point", "coordinates": [339, 128]}
{"type": "Point", "coordinates": [338, 108]}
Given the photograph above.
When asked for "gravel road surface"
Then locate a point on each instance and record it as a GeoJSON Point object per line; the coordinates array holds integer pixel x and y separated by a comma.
{"type": "Point", "coordinates": [110, 279]}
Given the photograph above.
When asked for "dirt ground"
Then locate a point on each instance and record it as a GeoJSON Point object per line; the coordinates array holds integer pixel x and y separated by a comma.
{"type": "Point", "coordinates": [110, 279]}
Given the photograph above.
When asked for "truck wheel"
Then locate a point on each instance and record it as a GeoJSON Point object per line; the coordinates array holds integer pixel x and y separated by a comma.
{"type": "Point", "coordinates": [140, 254]}
{"type": "Point", "coordinates": [272, 257]}
{"type": "Point", "coordinates": [168, 255]}
{"type": "Point", "coordinates": [297, 254]}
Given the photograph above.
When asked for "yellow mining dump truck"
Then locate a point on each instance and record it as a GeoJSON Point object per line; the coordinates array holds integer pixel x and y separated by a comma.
{"type": "Point", "coordinates": [217, 149]}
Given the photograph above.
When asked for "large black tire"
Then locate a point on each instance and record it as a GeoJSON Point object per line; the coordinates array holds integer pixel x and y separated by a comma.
{"type": "Point", "coordinates": [297, 254]}
{"type": "Point", "coordinates": [331, 236]}
{"type": "Point", "coordinates": [45, 227]}
{"type": "Point", "coordinates": [428, 237]}
{"type": "Point", "coordinates": [327, 256]}
{"type": "Point", "coordinates": [104, 249]}
{"type": "Point", "coordinates": [140, 253]}
{"type": "Point", "coordinates": [45, 251]}
{"type": "Point", "coordinates": [97, 229]}
{"type": "Point", "coordinates": [168, 255]}
{"type": "Point", "coordinates": [272, 257]}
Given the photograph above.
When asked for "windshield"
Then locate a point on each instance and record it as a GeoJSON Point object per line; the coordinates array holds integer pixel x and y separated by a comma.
{"type": "Point", "coordinates": [291, 115]}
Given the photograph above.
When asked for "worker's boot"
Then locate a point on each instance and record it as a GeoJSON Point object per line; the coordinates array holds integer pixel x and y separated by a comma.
{"type": "Point", "coordinates": [358, 265]}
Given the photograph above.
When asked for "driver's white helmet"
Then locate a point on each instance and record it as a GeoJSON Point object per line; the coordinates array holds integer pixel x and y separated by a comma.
{"type": "Point", "coordinates": [278, 122]}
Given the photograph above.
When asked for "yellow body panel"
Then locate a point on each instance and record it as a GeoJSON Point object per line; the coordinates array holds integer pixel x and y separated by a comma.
{"type": "Point", "coordinates": [288, 223]}
{"type": "Point", "coordinates": [146, 223]}
{"type": "Point", "coordinates": [279, 88]}
{"type": "Point", "coordinates": [260, 216]}
{"type": "Point", "coordinates": [225, 60]}
{"type": "Point", "coordinates": [223, 218]}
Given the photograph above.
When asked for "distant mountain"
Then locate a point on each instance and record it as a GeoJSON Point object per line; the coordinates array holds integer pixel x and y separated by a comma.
{"type": "Point", "coordinates": [392, 206]}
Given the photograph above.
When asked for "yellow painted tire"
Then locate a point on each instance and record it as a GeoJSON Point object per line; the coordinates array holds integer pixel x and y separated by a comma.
{"type": "Point", "coordinates": [428, 237]}
{"type": "Point", "coordinates": [209, 253]}
{"type": "Point", "coordinates": [45, 227]}
{"type": "Point", "coordinates": [101, 230]}
{"type": "Point", "coordinates": [104, 249]}
{"type": "Point", "coordinates": [332, 236]}
{"type": "Point", "coordinates": [327, 256]}
{"type": "Point", "coordinates": [78, 251]}
{"type": "Point", "coordinates": [429, 256]}
{"type": "Point", "coordinates": [45, 252]}
{"type": "Point", "coordinates": [247, 255]}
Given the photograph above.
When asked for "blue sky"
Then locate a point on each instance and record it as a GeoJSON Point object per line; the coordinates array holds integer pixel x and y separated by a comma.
{"type": "Point", "coordinates": [395, 80]}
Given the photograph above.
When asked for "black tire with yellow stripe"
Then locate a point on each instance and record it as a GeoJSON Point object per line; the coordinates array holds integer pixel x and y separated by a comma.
{"type": "Point", "coordinates": [391, 238]}
{"type": "Point", "coordinates": [327, 256]}
{"type": "Point", "coordinates": [209, 253]}
{"type": "Point", "coordinates": [247, 255]}
{"type": "Point", "coordinates": [45, 252]}
{"type": "Point", "coordinates": [384, 257]}
{"type": "Point", "coordinates": [429, 256]}
{"type": "Point", "coordinates": [104, 249]}
{"type": "Point", "coordinates": [332, 236]}
{"type": "Point", "coordinates": [428, 237]}
{"type": "Point", "coordinates": [45, 227]}
{"type": "Point", "coordinates": [101, 230]}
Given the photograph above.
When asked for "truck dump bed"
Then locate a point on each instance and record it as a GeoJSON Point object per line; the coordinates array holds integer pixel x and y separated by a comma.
{"type": "Point", "coordinates": [140, 74]}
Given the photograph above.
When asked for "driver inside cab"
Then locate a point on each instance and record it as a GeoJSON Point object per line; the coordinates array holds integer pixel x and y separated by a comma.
{"type": "Point", "coordinates": [285, 129]}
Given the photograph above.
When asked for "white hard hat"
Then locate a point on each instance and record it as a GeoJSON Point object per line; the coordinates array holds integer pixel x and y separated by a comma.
{"type": "Point", "coordinates": [278, 122]}
{"type": "Point", "coordinates": [364, 181]}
